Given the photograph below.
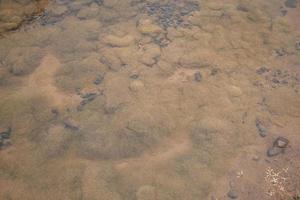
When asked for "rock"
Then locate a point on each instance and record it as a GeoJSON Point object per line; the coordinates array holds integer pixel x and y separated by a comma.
{"type": "Point", "coordinates": [297, 46]}
{"type": "Point", "coordinates": [214, 71]}
{"type": "Point", "coordinates": [262, 130]}
{"type": "Point", "coordinates": [71, 124]}
{"type": "Point", "coordinates": [232, 194]}
{"type": "Point", "coordinates": [98, 80]}
{"type": "Point", "coordinates": [136, 85]}
{"type": "Point", "coordinates": [242, 7]}
{"type": "Point", "coordinates": [5, 137]}
{"type": "Point", "coordinates": [280, 52]}
{"type": "Point", "coordinates": [5, 133]}
{"type": "Point", "coordinates": [291, 3]}
{"type": "Point", "coordinates": [274, 151]}
{"type": "Point", "coordinates": [262, 70]}
{"type": "Point", "coordinates": [281, 142]}
{"type": "Point", "coordinates": [198, 76]}
{"type": "Point", "coordinates": [134, 76]}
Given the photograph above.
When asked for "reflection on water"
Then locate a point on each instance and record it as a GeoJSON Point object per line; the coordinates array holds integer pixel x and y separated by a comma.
{"type": "Point", "coordinates": [143, 99]}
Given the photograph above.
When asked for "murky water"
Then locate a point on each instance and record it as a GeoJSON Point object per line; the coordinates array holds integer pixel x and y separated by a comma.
{"type": "Point", "coordinates": [144, 99]}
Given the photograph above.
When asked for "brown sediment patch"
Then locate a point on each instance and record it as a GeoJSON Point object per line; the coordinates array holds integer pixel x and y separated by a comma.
{"type": "Point", "coordinates": [172, 147]}
{"type": "Point", "coordinates": [42, 81]}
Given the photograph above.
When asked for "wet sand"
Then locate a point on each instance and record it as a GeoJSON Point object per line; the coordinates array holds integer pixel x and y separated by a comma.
{"type": "Point", "coordinates": [151, 100]}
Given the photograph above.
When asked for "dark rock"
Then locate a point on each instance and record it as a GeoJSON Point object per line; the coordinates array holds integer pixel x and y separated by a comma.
{"type": "Point", "coordinates": [283, 12]}
{"type": "Point", "coordinates": [71, 124]}
{"type": "Point", "coordinates": [262, 70]}
{"type": "Point", "coordinates": [99, 79]}
{"type": "Point", "coordinates": [281, 52]}
{"type": "Point", "coordinates": [5, 133]}
{"type": "Point", "coordinates": [198, 76]}
{"type": "Point", "coordinates": [274, 151]}
{"type": "Point", "coordinates": [134, 76]}
{"type": "Point", "coordinates": [281, 142]}
{"type": "Point", "coordinates": [242, 7]}
{"type": "Point", "coordinates": [291, 3]}
{"type": "Point", "coordinates": [297, 46]}
{"type": "Point", "coordinates": [262, 130]}
{"type": "Point", "coordinates": [214, 71]}
{"type": "Point", "coordinates": [232, 194]}
{"type": "Point", "coordinates": [275, 80]}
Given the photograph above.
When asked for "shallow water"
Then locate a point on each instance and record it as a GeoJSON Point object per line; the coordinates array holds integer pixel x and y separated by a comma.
{"type": "Point", "coordinates": [147, 99]}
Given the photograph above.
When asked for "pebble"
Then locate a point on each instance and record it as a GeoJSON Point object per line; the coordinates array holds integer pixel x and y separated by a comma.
{"type": "Point", "coordinates": [297, 46]}
{"type": "Point", "coordinates": [98, 80]}
{"type": "Point", "coordinates": [242, 7]}
{"type": "Point", "coordinates": [291, 3]}
{"type": "Point", "coordinates": [5, 134]}
{"type": "Point", "coordinates": [262, 70]}
{"type": "Point", "coordinates": [232, 194]}
{"type": "Point", "coordinates": [198, 76]}
{"type": "Point", "coordinates": [274, 151]}
{"type": "Point", "coordinates": [262, 130]}
{"type": "Point", "coordinates": [71, 124]}
{"type": "Point", "coordinates": [281, 142]}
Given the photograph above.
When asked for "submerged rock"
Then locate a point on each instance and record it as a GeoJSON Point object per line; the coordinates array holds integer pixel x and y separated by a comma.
{"type": "Point", "coordinates": [198, 76]}
{"type": "Point", "coordinates": [5, 134]}
{"type": "Point", "coordinates": [262, 130]}
{"type": "Point", "coordinates": [71, 124]}
{"type": "Point", "coordinates": [232, 194]}
{"type": "Point", "coordinates": [281, 142]}
{"type": "Point", "coordinates": [291, 3]}
{"type": "Point", "coordinates": [274, 151]}
{"type": "Point", "coordinates": [98, 80]}
{"type": "Point", "coordinates": [278, 147]}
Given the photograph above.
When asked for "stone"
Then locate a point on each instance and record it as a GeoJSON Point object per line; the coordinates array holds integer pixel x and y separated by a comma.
{"type": "Point", "coordinates": [297, 46]}
{"type": "Point", "coordinates": [280, 52]}
{"type": "Point", "coordinates": [262, 70]}
{"type": "Point", "coordinates": [5, 133]}
{"type": "Point", "coordinates": [242, 7]}
{"type": "Point", "coordinates": [262, 130]}
{"type": "Point", "coordinates": [98, 80]}
{"type": "Point", "coordinates": [274, 151]}
{"type": "Point", "coordinates": [232, 194]}
{"type": "Point", "coordinates": [281, 142]}
{"type": "Point", "coordinates": [291, 3]}
{"type": "Point", "coordinates": [198, 76]}
{"type": "Point", "coordinates": [214, 71]}
{"type": "Point", "coordinates": [71, 124]}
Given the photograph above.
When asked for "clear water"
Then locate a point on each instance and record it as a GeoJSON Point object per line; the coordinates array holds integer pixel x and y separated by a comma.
{"type": "Point", "coordinates": [142, 99]}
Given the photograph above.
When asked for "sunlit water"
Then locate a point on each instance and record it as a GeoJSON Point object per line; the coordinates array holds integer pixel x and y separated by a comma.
{"type": "Point", "coordinates": [142, 99]}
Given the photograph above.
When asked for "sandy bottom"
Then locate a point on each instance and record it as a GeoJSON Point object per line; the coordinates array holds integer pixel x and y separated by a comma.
{"type": "Point", "coordinates": [151, 100]}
